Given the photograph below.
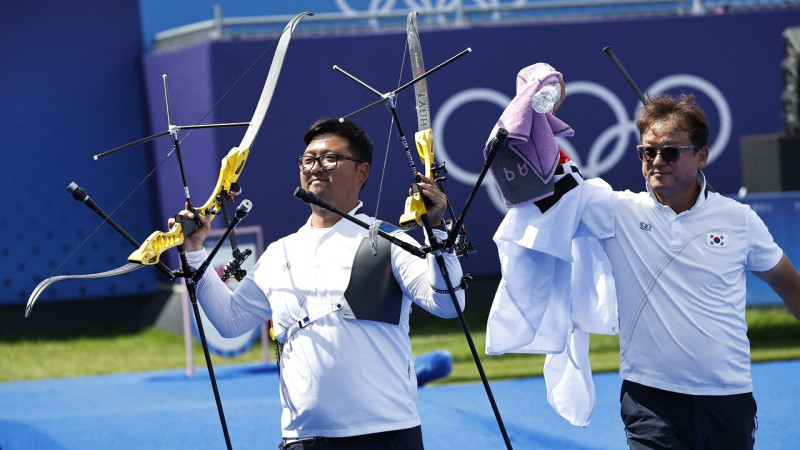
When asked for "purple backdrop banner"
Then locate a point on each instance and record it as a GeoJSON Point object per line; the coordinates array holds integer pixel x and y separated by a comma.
{"type": "Point", "coordinates": [735, 74]}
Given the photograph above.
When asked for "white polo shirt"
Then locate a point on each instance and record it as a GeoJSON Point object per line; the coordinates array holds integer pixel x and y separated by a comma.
{"type": "Point", "coordinates": [339, 376]}
{"type": "Point", "coordinates": [680, 281]}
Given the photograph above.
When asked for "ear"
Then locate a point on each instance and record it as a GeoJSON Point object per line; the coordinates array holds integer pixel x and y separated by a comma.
{"type": "Point", "coordinates": [362, 173]}
{"type": "Point", "coordinates": [702, 157]}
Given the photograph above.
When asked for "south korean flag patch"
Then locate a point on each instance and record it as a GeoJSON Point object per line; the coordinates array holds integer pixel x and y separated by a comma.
{"type": "Point", "coordinates": [716, 240]}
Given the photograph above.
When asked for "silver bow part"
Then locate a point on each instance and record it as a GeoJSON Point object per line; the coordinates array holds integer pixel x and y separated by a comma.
{"type": "Point", "coordinates": [130, 267]}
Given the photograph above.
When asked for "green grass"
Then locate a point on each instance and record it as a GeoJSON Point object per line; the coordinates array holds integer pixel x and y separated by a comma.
{"type": "Point", "coordinates": [774, 335]}
{"type": "Point", "coordinates": [604, 351]}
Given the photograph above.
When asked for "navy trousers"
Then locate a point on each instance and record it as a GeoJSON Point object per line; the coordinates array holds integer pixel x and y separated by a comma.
{"type": "Point", "coordinates": [658, 419]}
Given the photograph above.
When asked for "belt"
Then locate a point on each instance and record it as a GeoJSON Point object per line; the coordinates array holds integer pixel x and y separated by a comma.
{"type": "Point", "coordinates": [289, 441]}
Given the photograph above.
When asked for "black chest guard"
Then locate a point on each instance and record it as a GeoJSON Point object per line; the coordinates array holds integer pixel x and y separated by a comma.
{"type": "Point", "coordinates": [373, 292]}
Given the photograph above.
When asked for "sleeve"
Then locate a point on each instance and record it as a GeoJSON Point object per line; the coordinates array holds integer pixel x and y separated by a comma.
{"type": "Point", "coordinates": [423, 282]}
{"type": "Point", "coordinates": [598, 216]}
{"type": "Point", "coordinates": [762, 251]}
{"type": "Point", "coordinates": [586, 210]}
{"type": "Point", "coordinates": [233, 313]}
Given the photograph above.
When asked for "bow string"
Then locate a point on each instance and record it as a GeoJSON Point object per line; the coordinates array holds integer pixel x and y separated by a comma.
{"type": "Point", "coordinates": [158, 242]}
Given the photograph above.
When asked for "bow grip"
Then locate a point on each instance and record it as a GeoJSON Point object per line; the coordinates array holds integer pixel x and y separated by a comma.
{"type": "Point", "coordinates": [189, 226]}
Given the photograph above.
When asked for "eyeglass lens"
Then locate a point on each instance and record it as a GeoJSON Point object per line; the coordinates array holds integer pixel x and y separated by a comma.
{"type": "Point", "coordinates": [327, 161]}
{"type": "Point", "coordinates": [668, 154]}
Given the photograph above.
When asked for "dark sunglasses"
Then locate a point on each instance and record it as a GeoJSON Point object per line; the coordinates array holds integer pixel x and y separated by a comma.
{"type": "Point", "coordinates": [669, 153]}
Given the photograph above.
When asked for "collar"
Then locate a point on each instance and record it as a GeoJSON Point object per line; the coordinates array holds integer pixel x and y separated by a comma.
{"type": "Point", "coordinates": [359, 209]}
{"type": "Point", "coordinates": [705, 190]}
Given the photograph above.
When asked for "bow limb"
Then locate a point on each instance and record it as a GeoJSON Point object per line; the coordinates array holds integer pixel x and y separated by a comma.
{"type": "Point", "coordinates": [272, 81]}
{"type": "Point", "coordinates": [423, 138]}
{"type": "Point", "coordinates": [48, 281]}
{"type": "Point", "coordinates": [232, 164]}
{"type": "Point", "coordinates": [424, 135]}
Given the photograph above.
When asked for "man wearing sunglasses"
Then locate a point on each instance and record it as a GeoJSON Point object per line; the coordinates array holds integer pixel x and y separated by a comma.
{"type": "Point", "coordinates": [684, 352]}
{"type": "Point", "coordinates": [340, 300]}
{"type": "Point", "coordinates": [678, 253]}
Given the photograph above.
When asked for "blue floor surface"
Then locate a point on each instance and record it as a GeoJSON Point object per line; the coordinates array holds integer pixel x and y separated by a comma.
{"type": "Point", "coordinates": [168, 410]}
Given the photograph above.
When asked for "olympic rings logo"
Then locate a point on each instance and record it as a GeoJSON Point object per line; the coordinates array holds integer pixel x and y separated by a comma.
{"type": "Point", "coordinates": [621, 134]}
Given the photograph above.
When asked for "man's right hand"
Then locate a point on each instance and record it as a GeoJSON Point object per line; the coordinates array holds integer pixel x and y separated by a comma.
{"type": "Point", "coordinates": [194, 241]}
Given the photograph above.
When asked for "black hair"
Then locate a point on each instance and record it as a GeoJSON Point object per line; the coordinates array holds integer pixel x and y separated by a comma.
{"type": "Point", "coordinates": [359, 142]}
{"type": "Point", "coordinates": [681, 110]}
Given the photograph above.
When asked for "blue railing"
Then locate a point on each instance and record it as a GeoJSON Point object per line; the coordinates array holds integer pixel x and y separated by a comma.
{"type": "Point", "coordinates": [455, 14]}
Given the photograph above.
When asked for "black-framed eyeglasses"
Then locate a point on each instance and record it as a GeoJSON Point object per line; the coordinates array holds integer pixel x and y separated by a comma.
{"type": "Point", "coordinates": [327, 161]}
{"type": "Point", "coordinates": [669, 153]}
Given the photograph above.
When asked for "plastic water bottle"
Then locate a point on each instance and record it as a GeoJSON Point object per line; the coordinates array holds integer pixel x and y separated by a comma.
{"type": "Point", "coordinates": [544, 100]}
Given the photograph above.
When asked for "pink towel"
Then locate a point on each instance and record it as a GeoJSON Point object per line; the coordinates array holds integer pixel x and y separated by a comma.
{"type": "Point", "coordinates": [532, 135]}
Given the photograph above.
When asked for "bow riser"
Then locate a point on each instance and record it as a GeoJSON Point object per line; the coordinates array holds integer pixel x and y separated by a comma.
{"type": "Point", "coordinates": [158, 242]}
{"type": "Point", "coordinates": [231, 168]}
{"type": "Point", "coordinates": [415, 205]}
{"type": "Point", "coordinates": [424, 142]}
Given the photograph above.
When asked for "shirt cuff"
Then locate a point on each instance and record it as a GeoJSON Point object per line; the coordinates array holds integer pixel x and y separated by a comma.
{"type": "Point", "coordinates": [440, 233]}
{"type": "Point", "coordinates": [196, 257]}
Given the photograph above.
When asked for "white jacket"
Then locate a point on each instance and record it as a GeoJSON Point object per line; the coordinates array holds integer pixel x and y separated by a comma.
{"type": "Point", "coordinates": [556, 288]}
